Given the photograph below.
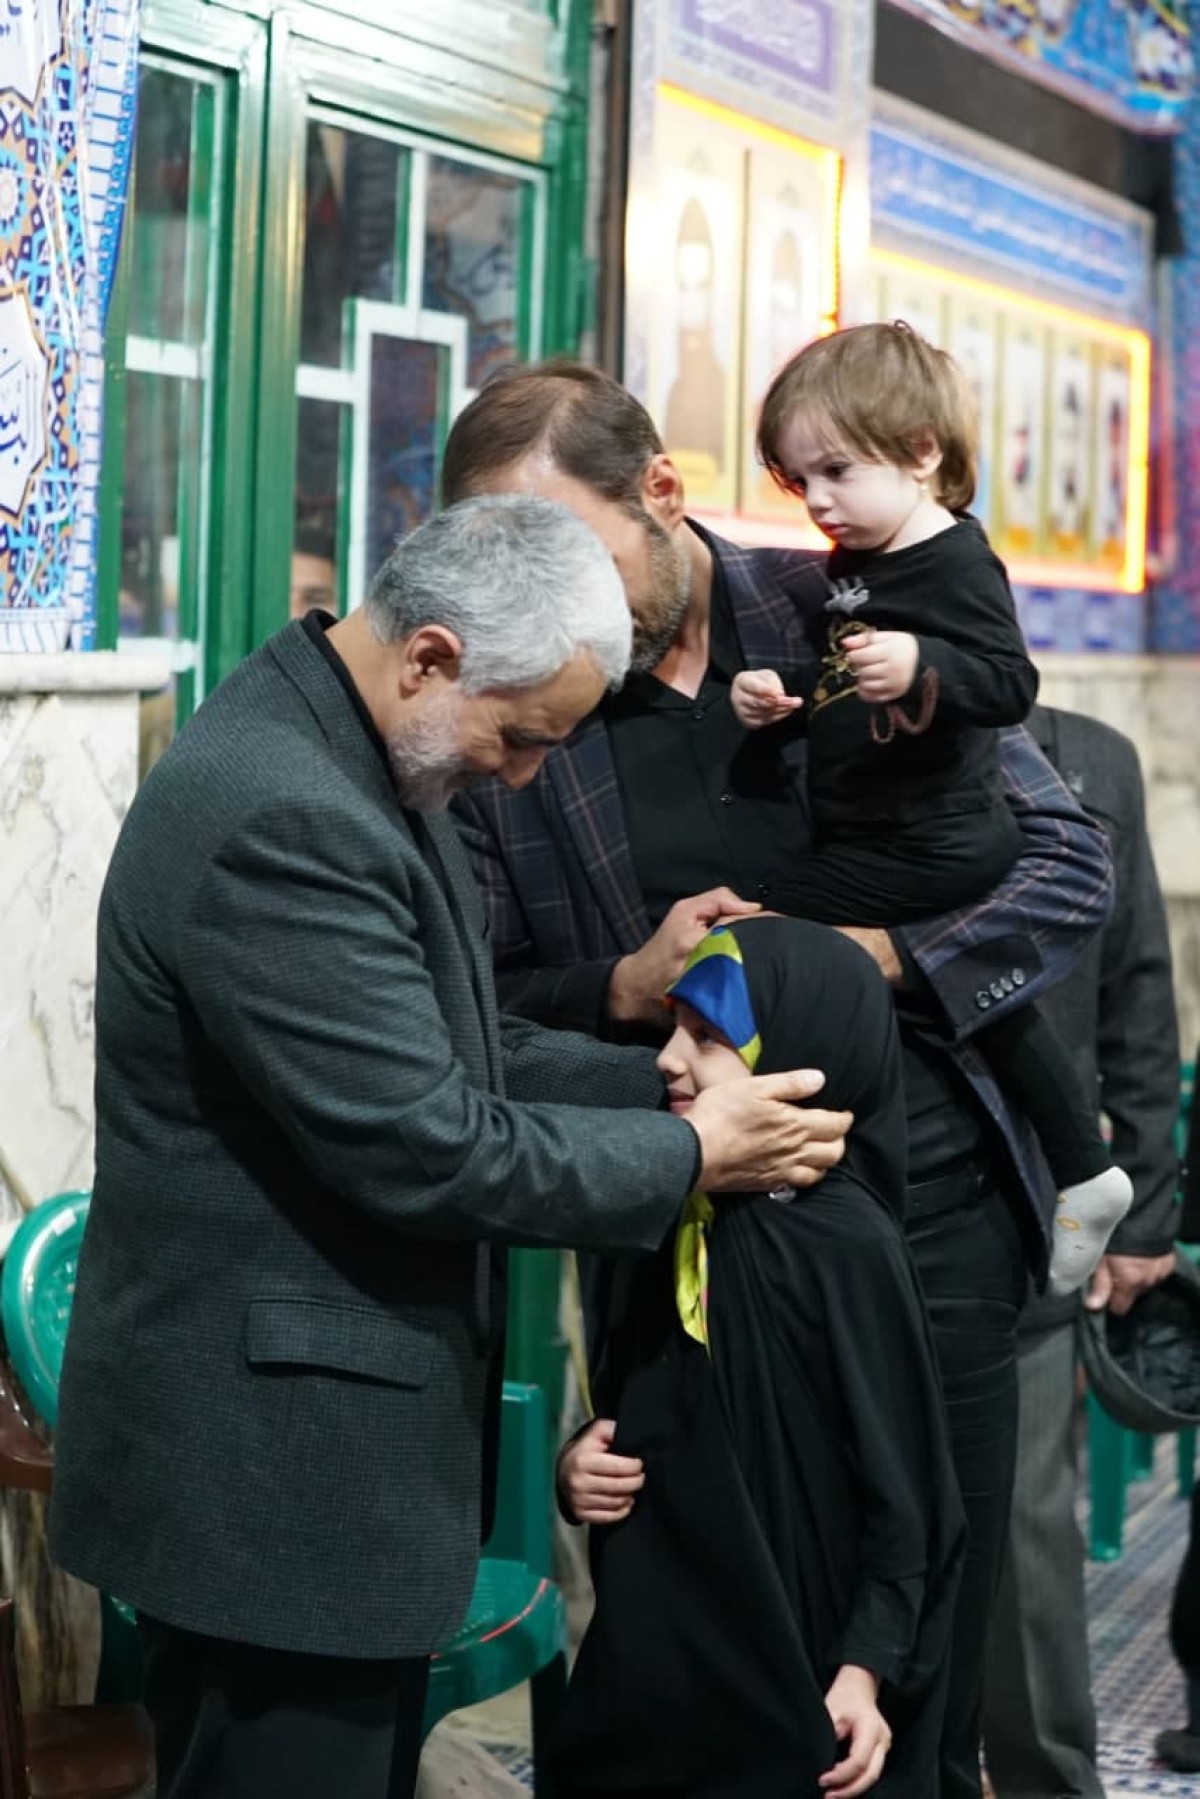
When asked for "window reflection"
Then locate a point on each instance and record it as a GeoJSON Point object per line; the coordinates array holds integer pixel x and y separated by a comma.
{"type": "Point", "coordinates": [170, 234]}
{"type": "Point", "coordinates": [473, 223]}
{"type": "Point", "coordinates": [162, 463]}
{"type": "Point", "coordinates": [472, 258]}
{"type": "Point", "coordinates": [318, 471]}
{"type": "Point", "coordinates": [168, 349]}
{"type": "Point", "coordinates": [352, 190]}
{"type": "Point", "coordinates": [314, 577]}
{"type": "Point", "coordinates": [407, 406]}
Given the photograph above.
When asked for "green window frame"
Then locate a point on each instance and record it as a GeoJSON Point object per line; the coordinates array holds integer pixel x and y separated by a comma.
{"type": "Point", "coordinates": [406, 318]}
{"type": "Point", "coordinates": [173, 376]}
{"type": "Point", "coordinates": [222, 55]}
{"type": "Point", "coordinates": [264, 72]}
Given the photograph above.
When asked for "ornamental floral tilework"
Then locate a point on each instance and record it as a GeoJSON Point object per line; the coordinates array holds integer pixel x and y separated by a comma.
{"type": "Point", "coordinates": [67, 89]}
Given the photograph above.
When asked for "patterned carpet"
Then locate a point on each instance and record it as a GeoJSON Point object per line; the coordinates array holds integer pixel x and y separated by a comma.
{"type": "Point", "coordinates": [1137, 1686]}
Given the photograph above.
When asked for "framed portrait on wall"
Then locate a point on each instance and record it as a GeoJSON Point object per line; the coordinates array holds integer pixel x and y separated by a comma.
{"type": "Point", "coordinates": [1111, 450]}
{"type": "Point", "coordinates": [1020, 474]}
{"type": "Point", "coordinates": [790, 291]}
{"type": "Point", "coordinates": [694, 394]}
{"type": "Point", "coordinates": [973, 339]}
{"type": "Point", "coordinates": [1069, 453]}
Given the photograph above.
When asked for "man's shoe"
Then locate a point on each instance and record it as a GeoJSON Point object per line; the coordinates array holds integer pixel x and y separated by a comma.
{"type": "Point", "coordinates": [1180, 1749]}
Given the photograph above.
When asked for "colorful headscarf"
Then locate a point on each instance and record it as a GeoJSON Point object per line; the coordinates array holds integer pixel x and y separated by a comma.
{"type": "Point", "coordinates": [714, 984]}
{"type": "Point", "coordinates": [790, 994]}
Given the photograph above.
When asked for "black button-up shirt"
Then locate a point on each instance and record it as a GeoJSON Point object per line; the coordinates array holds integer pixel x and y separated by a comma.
{"type": "Point", "coordinates": [707, 803]}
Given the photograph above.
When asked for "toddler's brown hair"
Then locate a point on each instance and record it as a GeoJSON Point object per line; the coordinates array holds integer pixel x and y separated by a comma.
{"type": "Point", "coordinates": [879, 390]}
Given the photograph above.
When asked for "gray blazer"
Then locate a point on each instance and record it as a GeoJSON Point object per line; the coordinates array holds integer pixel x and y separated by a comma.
{"type": "Point", "coordinates": [1116, 1009]}
{"type": "Point", "coordinates": [313, 1133]}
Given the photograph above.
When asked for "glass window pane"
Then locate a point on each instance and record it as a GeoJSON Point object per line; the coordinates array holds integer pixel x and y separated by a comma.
{"type": "Point", "coordinates": [407, 401]}
{"type": "Point", "coordinates": [473, 258]}
{"type": "Point", "coordinates": [352, 248]}
{"type": "Point", "coordinates": [158, 535]}
{"type": "Point", "coordinates": [318, 471]}
{"type": "Point", "coordinates": [158, 542]}
{"type": "Point", "coordinates": [170, 211]}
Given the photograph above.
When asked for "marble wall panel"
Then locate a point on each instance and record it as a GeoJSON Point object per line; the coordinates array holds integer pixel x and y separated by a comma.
{"type": "Point", "coordinates": [59, 823]}
{"type": "Point", "coordinates": [68, 769]}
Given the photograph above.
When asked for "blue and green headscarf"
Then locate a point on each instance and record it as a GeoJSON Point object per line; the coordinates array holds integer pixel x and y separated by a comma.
{"type": "Point", "coordinates": [714, 984]}
{"type": "Point", "coordinates": [790, 994]}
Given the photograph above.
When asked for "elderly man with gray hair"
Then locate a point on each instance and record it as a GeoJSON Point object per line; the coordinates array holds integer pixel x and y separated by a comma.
{"type": "Point", "coordinates": [316, 1136]}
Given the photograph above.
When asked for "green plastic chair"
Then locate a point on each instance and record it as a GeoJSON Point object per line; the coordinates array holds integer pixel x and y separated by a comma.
{"type": "Point", "coordinates": [36, 1290]}
{"type": "Point", "coordinates": [1115, 1455]}
{"type": "Point", "coordinates": [516, 1628]}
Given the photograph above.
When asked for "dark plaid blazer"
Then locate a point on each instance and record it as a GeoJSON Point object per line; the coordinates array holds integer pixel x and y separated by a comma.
{"type": "Point", "coordinates": [284, 1341]}
{"type": "Point", "coordinates": [563, 903]}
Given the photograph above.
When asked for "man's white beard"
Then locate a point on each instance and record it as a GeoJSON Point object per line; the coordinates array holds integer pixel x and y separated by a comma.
{"type": "Point", "coordinates": [425, 758]}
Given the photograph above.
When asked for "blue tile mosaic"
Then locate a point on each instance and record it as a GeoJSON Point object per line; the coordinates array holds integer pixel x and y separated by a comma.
{"type": "Point", "coordinates": [1175, 603]}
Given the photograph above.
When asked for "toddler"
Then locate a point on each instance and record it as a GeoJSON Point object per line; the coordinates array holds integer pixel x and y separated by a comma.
{"type": "Point", "coordinates": [919, 658]}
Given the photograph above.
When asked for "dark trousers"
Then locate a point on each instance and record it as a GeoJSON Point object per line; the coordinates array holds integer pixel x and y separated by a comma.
{"type": "Point", "coordinates": [1185, 1611]}
{"type": "Point", "coordinates": [967, 1247]}
{"type": "Point", "coordinates": [1039, 1723]}
{"type": "Point", "coordinates": [232, 1721]}
{"type": "Point", "coordinates": [1036, 1067]}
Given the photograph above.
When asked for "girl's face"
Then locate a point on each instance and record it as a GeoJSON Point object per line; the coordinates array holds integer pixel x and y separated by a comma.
{"type": "Point", "coordinates": [863, 505]}
{"type": "Point", "coordinates": [697, 1056]}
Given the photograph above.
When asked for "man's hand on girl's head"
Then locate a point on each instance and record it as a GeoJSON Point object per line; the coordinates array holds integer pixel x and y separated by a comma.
{"type": "Point", "coordinates": [639, 980]}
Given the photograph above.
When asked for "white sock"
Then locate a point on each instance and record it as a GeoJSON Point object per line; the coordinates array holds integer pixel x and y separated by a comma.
{"type": "Point", "coordinates": [1084, 1220]}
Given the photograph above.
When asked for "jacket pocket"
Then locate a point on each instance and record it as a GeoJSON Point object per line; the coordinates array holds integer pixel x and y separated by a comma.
{"type": "Point", "coordinates": [345, 1339]}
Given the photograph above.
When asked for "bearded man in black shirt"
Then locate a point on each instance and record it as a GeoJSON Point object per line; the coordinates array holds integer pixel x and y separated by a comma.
{"type": "Point", "coordinates": [658, 816]}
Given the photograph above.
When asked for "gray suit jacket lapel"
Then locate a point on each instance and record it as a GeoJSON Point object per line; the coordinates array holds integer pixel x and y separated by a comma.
{"type": "Point", "coordinates": [330, 705]}
{"type": "Point", "coordinates": [463, 895]}
{"type": "Point", "coordinates": [344, 731]}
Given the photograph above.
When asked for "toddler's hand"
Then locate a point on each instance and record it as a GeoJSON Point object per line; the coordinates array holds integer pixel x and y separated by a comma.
{"type": "Point", "coordinates": [598, 1487]}
{"type": "Point", "coordinates": [862, 1728]}
{"type": "Point", "coordinates": [758, 698]}
{"type": "Point", "coordinates": [884, 662]}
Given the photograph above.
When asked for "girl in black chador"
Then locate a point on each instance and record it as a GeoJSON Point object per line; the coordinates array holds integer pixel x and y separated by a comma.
{"type": "Point", "coordinates": [917, 659]}
{"type": "Point", "coordinates": [776, 1572]}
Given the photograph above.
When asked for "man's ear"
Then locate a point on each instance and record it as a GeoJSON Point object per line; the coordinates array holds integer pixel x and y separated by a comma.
{"type": "Point", "coordinates": [430, 654]}
{"type": "Point", "coordinates": [662, 492]}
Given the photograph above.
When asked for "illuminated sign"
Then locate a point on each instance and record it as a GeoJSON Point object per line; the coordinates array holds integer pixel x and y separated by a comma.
{"type": "Point", "coordinates": [1064, 406]}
